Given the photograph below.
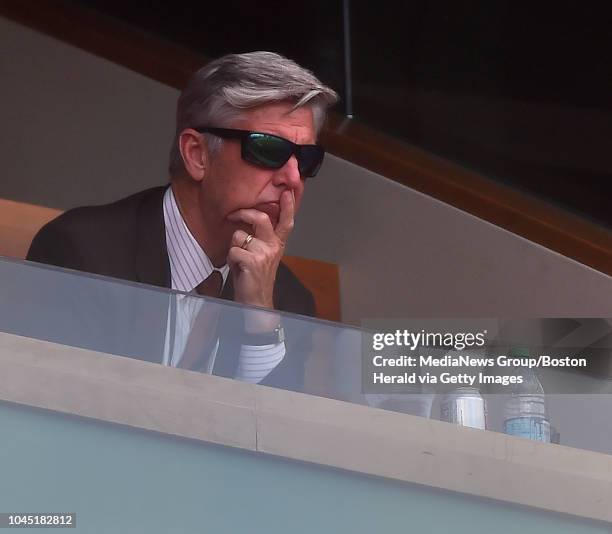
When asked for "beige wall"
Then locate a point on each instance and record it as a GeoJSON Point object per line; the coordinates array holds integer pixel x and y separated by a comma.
{"type": "Point", "coordinates": [403, 253]}
{"type": "Point", "coordinates": [78, 129]}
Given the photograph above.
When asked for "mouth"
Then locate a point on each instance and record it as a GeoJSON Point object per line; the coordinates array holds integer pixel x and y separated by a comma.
{"type": "Point", "coordinates": [272, 209]}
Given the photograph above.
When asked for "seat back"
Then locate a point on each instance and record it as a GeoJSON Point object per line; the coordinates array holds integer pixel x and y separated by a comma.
{"type": "Point", "coordinates": [19, 223]}
{"type": "Point", "coordinates": [322, 279]}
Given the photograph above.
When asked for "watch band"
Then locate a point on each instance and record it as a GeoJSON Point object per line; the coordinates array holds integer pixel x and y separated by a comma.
{"type": "Point", "coordinates": [266, 338]}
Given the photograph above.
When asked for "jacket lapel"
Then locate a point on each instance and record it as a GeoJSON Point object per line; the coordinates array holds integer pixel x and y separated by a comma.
{"type": "Point", "coordinates": [152, 263]}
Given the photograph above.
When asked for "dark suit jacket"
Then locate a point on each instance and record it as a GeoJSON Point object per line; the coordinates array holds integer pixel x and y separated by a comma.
{"type": "Point", "coordinates": [127, 240]}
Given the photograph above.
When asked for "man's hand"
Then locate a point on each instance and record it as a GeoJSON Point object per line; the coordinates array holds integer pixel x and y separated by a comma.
{"type": "Point", "coordinates": [254, 267]}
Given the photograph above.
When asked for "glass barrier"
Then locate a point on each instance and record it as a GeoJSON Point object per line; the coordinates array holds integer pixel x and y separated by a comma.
{"type": "Point", "coordinates": [567, 406]}
{"type": "Point", "coordinates": [176, 329]}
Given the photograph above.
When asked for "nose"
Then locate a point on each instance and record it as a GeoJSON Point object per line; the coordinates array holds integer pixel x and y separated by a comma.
{"type": "Point", "coordinates": [289, 174]}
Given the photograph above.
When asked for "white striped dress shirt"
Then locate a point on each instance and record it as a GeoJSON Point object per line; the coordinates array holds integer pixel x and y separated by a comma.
{"type": "Point", "coordinates": [189, 266]}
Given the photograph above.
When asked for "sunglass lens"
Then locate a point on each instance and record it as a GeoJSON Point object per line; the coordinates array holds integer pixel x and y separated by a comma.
{"type": "Point", "coordinates": [311, 157]}
{"type": "Point", "coordinates": [267, 150]}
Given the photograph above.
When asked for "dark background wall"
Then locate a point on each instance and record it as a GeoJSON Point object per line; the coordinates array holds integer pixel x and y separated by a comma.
{"type": "Point", "coordinates": [517, 91]}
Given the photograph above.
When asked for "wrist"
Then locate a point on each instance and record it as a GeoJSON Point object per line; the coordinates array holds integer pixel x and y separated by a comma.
{"type": "Point", "coordinates": [261, 301]}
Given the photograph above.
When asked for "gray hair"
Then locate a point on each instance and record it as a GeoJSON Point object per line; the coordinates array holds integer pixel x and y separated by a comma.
{"type": "Point", "coordinates": [218, 93]}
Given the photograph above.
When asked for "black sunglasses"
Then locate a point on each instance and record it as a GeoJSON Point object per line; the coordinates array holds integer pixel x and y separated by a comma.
{"type": "Point", "coordinates": [272, 151]}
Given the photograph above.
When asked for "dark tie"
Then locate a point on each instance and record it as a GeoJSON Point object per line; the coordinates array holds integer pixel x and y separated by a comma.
{"type": "Point", "coordinates": [203, 335]}
{"type": "Point", "coordinates": [211, 287]}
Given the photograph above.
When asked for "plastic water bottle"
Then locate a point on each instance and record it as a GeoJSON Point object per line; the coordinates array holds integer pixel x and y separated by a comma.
{"type": "Point", "coordinates": [465, 407]}
{"type": "Point", "coordinates": [525, 409]}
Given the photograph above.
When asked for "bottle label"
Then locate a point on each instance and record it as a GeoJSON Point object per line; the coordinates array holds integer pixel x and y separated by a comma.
{"type": "Point", "coordinates": [535, 428]}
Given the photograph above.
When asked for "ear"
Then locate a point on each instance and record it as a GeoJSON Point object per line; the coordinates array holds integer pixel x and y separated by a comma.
{"type": "Point", "coordinates": [194, 153]}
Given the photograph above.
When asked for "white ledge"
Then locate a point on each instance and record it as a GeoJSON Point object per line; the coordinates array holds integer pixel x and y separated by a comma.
{"type": "Point", "coordinates": [303, 427]}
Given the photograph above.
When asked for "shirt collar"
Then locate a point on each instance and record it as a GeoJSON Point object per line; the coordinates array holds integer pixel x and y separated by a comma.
{"type": "Point", "coordinates": [189, 264]}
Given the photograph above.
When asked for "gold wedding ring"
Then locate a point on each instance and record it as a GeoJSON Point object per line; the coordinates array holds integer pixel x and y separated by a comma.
{"type": "Point", "coordinates": [247, 240]}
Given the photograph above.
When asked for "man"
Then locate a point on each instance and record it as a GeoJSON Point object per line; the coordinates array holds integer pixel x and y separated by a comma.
{"type": "Point", "coordinates": [245, 142]}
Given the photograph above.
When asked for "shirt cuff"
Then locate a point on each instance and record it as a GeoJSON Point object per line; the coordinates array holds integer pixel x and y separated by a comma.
{"type": "Point", "coordinates": [255, 362]}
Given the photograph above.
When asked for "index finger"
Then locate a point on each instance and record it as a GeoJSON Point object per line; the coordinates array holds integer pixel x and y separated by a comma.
{"type": "Point", "coordinates": [287, 213]}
